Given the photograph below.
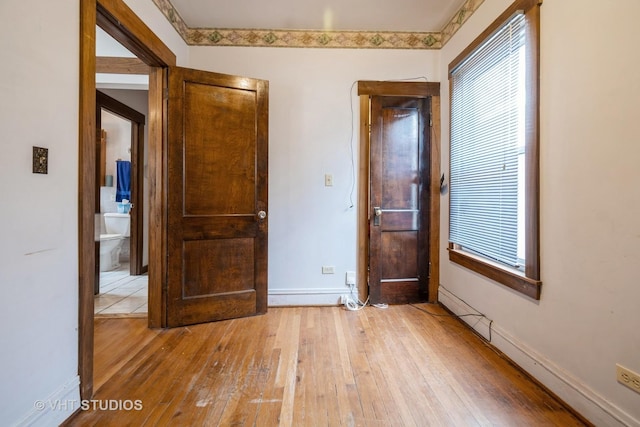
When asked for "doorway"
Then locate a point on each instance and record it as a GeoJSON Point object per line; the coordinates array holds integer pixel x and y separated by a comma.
{"type": "Point", "coordinates": [403, 257]}
{"type": "Point", "coordinates": [122, 24]}
{"type": "Point", "coordinates": [185, 228]}
{"type": "Point", "coordinates": [122, 192]}
{"type": "Point", "coordinates": [399, 148]}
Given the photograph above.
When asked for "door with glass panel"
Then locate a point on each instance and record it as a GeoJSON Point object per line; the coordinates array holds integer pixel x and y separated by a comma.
{"type": "Point", "coordinates": [399, 199]}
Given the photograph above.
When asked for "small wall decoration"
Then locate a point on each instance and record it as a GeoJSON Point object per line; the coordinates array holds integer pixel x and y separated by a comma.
{"type": "Point", "coordinates": [40, 160]}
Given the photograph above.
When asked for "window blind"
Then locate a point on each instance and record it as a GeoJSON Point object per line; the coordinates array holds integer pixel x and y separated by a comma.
{"type": "Point", "coordinates": [487, 134]}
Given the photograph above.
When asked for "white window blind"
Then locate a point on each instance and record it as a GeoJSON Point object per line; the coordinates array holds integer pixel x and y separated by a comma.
{"type": "Point", "coordinates": [487, 135]}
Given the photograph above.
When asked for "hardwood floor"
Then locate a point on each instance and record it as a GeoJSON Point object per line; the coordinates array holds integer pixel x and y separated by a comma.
{"type": "Point", "coordinates": [314, 366]}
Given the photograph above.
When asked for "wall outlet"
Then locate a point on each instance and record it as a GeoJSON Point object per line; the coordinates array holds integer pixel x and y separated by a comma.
{"type": "Point", "coordinates": [628, 378]}
{"type": "Point", "coordinates": [351, 278]}
{"type": "Point", "coordinates": [328, 180]}
{"type": "Point", "coordinates": [328, 269]}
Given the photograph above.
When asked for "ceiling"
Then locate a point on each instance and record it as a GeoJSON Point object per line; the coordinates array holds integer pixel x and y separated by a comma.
{"type": "Point", "coordinates": [361, 24]}
{"type": "Point", "coordinates": [339, 15]}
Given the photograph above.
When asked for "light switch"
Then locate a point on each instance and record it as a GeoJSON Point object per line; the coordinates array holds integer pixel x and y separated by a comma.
{"type": "Point", "coordinates": [40, 160]}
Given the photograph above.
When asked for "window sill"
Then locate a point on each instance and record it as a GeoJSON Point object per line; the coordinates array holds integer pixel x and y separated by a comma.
{"type": "Point", "coordinates": [511, 278]}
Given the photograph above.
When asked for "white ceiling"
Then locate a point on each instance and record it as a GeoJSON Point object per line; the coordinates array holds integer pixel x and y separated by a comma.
{"type": "Point", "coordinates": [339, 15]}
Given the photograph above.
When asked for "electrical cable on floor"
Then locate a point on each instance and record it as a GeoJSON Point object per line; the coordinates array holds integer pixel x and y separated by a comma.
{"type": "Point", "coordinates": [352, 302]}
{"type": "Point", "coordinates": [459, 316]}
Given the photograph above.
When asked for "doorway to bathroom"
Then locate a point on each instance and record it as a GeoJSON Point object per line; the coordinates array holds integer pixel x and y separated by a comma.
{"type": "Point", "coordinates": [122, 192]}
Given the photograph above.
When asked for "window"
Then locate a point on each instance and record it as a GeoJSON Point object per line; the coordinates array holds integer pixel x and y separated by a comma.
{"type": "Point", "coordinates": [494, 175]}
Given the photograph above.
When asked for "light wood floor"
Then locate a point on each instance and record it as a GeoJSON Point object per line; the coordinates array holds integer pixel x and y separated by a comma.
{"type": "Point", "coordinates": [314, 366]}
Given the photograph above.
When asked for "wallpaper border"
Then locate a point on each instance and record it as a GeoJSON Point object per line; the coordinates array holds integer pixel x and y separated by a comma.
{"type": "Point", "coordinates": [316, 38]}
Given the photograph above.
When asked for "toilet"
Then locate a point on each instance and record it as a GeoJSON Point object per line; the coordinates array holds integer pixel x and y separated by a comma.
{"type": "Point", "coordinates": [110, 245]}
{"type": "Point", "coordinates": [117, 226]}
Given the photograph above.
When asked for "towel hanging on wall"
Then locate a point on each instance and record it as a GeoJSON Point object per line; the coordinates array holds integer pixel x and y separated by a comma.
{"type": "Point", "coordinates": [123, 177]}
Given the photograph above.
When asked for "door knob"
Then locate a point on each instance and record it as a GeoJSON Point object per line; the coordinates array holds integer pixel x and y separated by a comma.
{"type": "Point", "coordinates": [377, 213]}
{"type": "Point", "coordinates": [262, 214]}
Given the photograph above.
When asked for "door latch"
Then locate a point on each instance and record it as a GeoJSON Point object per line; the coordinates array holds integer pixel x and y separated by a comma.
{"type": "Point", "coordinates": [377, 213]}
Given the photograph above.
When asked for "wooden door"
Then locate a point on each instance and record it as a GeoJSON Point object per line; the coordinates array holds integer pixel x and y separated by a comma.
{"type": "Point", "coordinates": [399, 200]}
{"type": "Point", "coordinates": [217, 197]}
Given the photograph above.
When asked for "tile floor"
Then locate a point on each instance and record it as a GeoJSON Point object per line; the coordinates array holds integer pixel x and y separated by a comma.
{"type": "Point", "coordinates": [121, 293]}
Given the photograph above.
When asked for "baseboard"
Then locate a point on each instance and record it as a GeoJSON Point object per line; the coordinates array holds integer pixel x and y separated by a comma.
{"type": "Point", "coordinates": [481, 325]}
{"type": "Point", "coordinates": [289, 297]}
{"type": "Point", "coordinates": [54, 409]}
{"type": "Point", "coordinates": [578, 396]}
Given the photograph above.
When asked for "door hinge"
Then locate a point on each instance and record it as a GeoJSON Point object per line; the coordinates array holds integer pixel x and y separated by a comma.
{"type": "Point", "coordinates": [165, 93]}
{"type": "Point", "coordinates": [430, 120]}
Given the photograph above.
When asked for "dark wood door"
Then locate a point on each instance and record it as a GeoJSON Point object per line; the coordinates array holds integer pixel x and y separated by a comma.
{"type": "Point", "coordinates": [217, 197]}
{"type": "Point", "coordinates": [399, 200]}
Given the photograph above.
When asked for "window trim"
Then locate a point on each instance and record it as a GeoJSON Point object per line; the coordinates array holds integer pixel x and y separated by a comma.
{"type": "Point", "coordinates": [527, 282]}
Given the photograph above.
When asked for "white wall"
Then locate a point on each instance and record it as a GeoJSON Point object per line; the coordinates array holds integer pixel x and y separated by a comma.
{"type": "Point", "coordinates": [38, 253]}
{"type": "Point", "coordinates": [39, 89]}
{"type": "Point", "coordinates": [310, 120]}
{"type": "Point", "coordinates": [587, 318]}
{"type": "Point", "coordinates": [118, 141]}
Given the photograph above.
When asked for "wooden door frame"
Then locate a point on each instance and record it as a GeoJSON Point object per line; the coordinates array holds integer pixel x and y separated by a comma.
{"type": "Point", "coordinates": [118, 20]}
{"type": "Point", "coordinates": [367, 89]}
{"type": "Point", "coordinates": [137, 119]}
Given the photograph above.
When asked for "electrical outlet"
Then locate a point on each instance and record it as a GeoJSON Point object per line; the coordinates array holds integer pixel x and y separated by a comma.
{"type": "Point", "coordinates": [351, 278]}
{"type": "Point", "coordinates": [628, 378]}
{"type": "Point", "coordinates": [328, 180]}
{"type": "Point", "coordinates": [328, 269]}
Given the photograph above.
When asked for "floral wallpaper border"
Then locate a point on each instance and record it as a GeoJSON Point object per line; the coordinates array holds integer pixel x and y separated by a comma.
{"type": "Point", "coordinates": [461, 16]}
{"type": "Point", "coordinates": [316, 39]}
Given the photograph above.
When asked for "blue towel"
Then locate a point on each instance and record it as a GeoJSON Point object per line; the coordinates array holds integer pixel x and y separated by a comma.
{"type": "Point", "coordinates": [123, 176]}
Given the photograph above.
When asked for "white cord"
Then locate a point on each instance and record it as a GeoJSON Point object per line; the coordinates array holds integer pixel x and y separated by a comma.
{"type": "Point", "coordinates": [352, 305]}
{"type": "Point", "coordinates": [352, 302]}
{"type": "Point", "coordinates": [351, 151]}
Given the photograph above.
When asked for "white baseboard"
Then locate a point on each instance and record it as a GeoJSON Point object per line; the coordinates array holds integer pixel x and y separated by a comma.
{"type": "Point", "coordinates": [289, 297]}
{"type": "Point", "coordinates": [52, 410]}
{"type": "Point", "coordinates": [585, 401]}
